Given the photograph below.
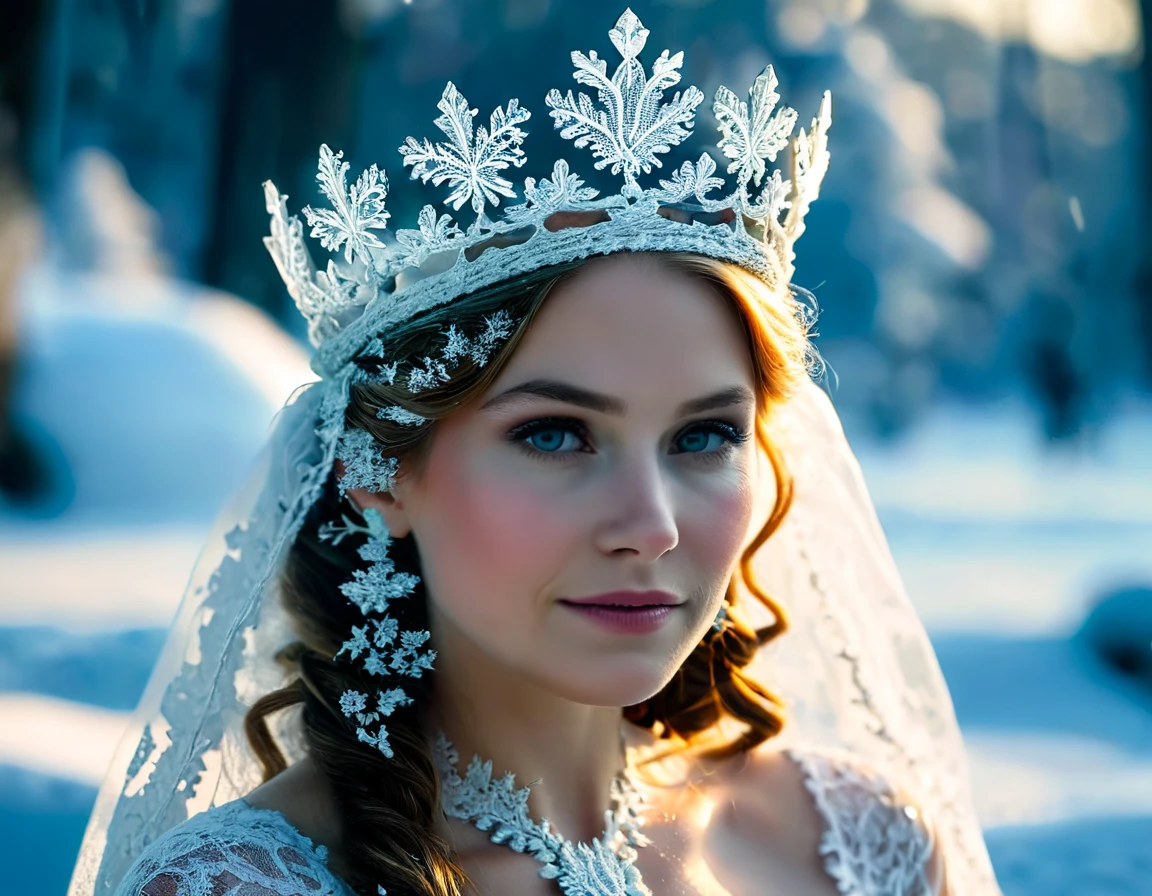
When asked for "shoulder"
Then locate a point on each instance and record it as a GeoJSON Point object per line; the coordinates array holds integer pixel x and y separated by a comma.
{"type": "Point", "coordinates": [303, 796]}
{"type": "Point", "coordinates": [870, 836]}
{"type": "Point", "coordinates": [233, 848]}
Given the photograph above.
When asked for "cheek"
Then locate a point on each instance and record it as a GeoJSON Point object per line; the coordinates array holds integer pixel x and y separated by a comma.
{"type": "Point", "coordinates": [494, 542]}
{"type": "Point", "coordinates": [715, 529]}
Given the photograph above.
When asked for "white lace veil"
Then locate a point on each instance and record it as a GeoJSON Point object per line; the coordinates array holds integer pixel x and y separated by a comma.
{"type": "Point", "coordinates": [856, 668]}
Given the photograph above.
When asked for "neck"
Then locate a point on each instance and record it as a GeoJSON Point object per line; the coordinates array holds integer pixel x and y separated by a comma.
{"type": "Point", "coordinates": [568, 751]}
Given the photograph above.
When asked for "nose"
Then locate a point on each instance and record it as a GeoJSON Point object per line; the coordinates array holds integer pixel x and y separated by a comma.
{"type": "Point", "coordinates": [641, 521]}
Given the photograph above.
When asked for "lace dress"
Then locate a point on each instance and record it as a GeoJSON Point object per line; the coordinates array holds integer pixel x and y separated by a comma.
{"type": "Point", "coordinates": [873, 844]}
{"type": "Point", "coordinates": [233, 850]}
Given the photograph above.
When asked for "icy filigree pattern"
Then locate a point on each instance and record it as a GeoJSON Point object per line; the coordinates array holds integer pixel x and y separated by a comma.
{"type": "Point", "coordinates": [233, 850]}
{"type": "Point", "coordinates": [378, 646]}
{"type": "Point", "coordinates": [322, 297]}
{"type": "Point", "coordinates": [692, 180]}
{"type": "Point", "coordinates": [874, 843]}
{"type": "Point", "coordinates": [354, 705]}
{"type": "Point", "coordinates": [433, 233]}
{"type": "Point", "coordinates": [563, 190]}
{"type": "Point", "coordinates": [364, 466]}
{"type": "Point", "coordinates": [424, 374]}
{"type": "Point", "coordinates": [397, 414]}
{"type": "Point", "coordinates": [355, 213]}
{"type": "Point", "coordinates": [602, 868]}
{"type": "Point", "coordinates": [633, 124]}
{"type": "Point", "coordinates": [469, 160]}
{"type": "Point", "coordinates": [752, 136]}
{"type": "Point", "coordinates": [457, 346]}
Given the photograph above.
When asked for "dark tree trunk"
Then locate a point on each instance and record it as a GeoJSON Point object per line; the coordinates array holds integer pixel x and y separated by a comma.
{"type": "Point", "coordinates": [289, 85]}
{"type": "Point", "coordinates": [1143, 293]}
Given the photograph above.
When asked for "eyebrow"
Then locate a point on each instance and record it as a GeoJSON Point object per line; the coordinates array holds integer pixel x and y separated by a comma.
{"type": "Point", "coordinates": [555, 390]}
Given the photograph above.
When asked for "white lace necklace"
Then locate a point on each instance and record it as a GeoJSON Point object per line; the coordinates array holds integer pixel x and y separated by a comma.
{"type": "Point", "coordinates": [603, 868]}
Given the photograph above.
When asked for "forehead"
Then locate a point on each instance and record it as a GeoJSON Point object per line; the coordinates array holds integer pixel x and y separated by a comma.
{"type": "Point", "coordinates": [628, 323]}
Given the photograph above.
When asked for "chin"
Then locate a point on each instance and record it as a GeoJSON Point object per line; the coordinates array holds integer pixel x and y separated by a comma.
{"type": "Point", "coordinates": [612, 682]}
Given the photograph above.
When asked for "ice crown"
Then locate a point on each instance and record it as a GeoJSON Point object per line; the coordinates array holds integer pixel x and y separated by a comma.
{"type": "Point", "coordinates": [626, 124]}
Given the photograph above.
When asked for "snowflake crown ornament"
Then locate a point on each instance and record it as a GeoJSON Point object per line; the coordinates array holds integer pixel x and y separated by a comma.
{"type": "Point", "coordinates": [627, 125]}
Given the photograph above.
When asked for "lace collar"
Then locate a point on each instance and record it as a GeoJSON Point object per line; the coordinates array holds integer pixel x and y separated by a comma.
{"type": "Point", "coordinates": [602, 868]}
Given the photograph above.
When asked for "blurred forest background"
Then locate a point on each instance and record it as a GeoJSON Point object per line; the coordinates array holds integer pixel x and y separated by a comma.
{"type": "Point", "coordinates": [980, 233]}
{"type": "Point", "coordinates": [981, 254]}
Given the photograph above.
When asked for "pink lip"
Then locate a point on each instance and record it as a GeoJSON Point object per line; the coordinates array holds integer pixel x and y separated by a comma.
{"type": "Point", "coordinates": [627, 599]}
{"type": "Point", "coordinates": [627, 612]}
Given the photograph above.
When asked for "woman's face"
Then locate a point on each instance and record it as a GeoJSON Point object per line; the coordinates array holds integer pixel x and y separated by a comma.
{"type": "Point", "coordinates": [609, 483]}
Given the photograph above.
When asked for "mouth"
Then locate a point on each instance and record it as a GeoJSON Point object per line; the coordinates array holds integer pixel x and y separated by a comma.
{"type": "Point", "coordinates": [626, 599]}
{"type": "Point", "coordinates": [627, 612]}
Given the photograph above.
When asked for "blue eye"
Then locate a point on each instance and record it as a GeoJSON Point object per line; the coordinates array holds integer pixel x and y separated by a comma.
{"type": "Point", "coordinates": [545, 437]}
{"type": "Point", "coordinates": [550, 439]}
{"type": "Point", "coordinates": [559, 438]}
{"type": "Point", "coordinates": [700, 439]}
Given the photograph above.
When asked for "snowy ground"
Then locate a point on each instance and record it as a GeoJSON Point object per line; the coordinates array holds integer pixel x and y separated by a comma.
{"type": "Point", "coordinates": [156, 410]}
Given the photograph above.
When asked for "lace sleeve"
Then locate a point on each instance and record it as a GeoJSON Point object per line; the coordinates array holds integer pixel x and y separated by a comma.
{"type": "Point", "coordinates": [233, 850]}
{"type": "Point", "coordinates": [875, 841]}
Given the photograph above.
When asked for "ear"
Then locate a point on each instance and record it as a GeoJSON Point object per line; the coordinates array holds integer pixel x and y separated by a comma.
{"type": "Point", "coordinates": [390, 504]}
{"type": "Point", "coordinates": [389, 507]}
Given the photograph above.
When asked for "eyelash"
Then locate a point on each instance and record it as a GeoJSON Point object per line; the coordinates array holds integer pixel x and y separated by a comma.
{"type": "Point", "coordinates": [519, 435]}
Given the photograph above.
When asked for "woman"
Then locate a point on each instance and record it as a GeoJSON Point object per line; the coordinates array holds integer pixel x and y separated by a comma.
{"type": "Point", "coordinates": [517, 521]}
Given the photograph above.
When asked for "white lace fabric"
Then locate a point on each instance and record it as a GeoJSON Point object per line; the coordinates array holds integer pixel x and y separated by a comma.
{"type": "Point", "coordinates": [233, 850]}
{"type": "Point", "coordinates": [874, 843]}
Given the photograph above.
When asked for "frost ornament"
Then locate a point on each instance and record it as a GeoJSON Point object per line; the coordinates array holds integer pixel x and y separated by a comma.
{"type": "Point", "coordinates": [633, 124]}
{"type": "Point", "coordinates": [364, 466]}
{"type": "Point", "coordinates": [628, 122]}
{"type": "Point", "coordinates": [379, 646]}
{"type": "Point", "coordinates": [469, 160]}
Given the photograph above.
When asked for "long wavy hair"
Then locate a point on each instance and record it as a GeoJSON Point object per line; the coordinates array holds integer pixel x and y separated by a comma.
{"type": "Point", "coordinates": [388, 807]}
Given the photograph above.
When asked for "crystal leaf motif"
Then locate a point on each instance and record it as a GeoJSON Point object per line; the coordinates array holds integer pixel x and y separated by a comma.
{"type": "Point", "coordinates": [354, 705]}
{"type": "Point", "coordinates": [470, 159]}
{"type": "Point", "coordinates": [634, 123]}
{"type": "Point", "coordinates": [749, 138]}
{"type": "Point", "coordinates": [321, 296]}
{"type": "Point", "coordinates": [355, 213]}
{"type": "Point", "coordinates": [595, 868]}
{"type": "Point", "coordinates": [434, 233]}
{"type": "Point", "coordinates": [564, 190]}
{"type": "Point", "coordinates": [773, 199]}
{"type": "Point", "coordinates": [692, 179]}
{"type": "Point", "coordinates": [811, 158]}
